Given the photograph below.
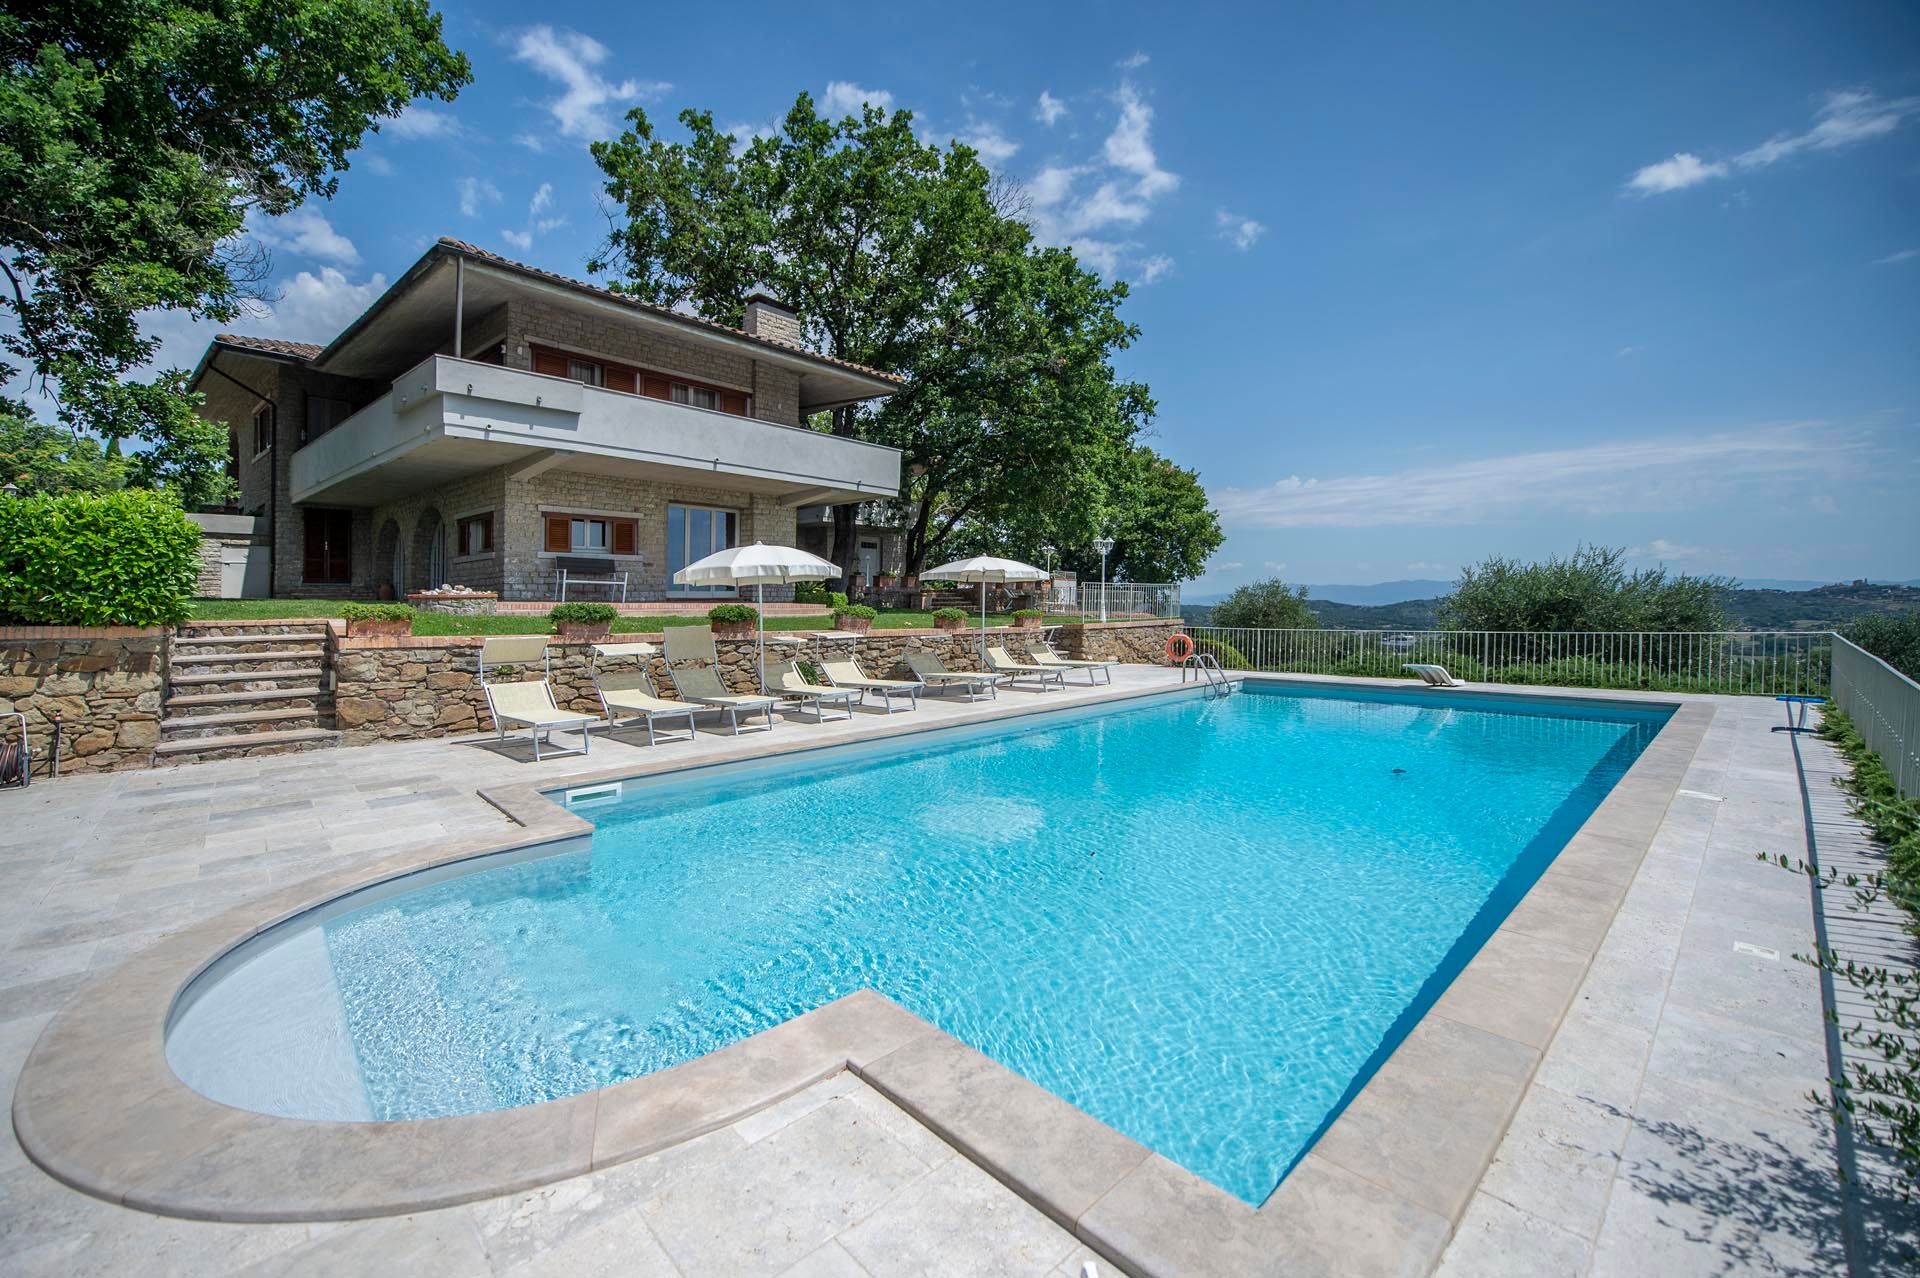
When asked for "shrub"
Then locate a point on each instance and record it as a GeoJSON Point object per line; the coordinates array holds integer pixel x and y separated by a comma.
{"type": "Point", "coordinates": [582, 614]}
{"type": "Point", "coordinates": [127, 558]}
{"type": "Point", "coordinates": [837, 600]}
{"type": "Point", "coordinates": [376, 612]}
{"type": "Point", "coordinates": [812, 592]}
{"type": "Point", "coordinates": [1229, 657]}
{"type": "Point", "coordinates": [730, 614]}
{"type": "Point", "coordinates": [1893, 639]}
{"type": "Point", "coordinates": [1266, 605]}
{"type": "Point", "coordinates": [949, 614]}
{"type": "Point", "coordinates": [1021, 614]}
{"type": "Point", "coordinates": [856, 610]}
{"type": "Point", "coordinates": [1589, 590]}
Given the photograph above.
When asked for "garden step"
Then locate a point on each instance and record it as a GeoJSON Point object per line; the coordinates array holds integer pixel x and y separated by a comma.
{"type": "Point", "coordinates": [218, 658]}
{"type": "Point", "coordinates": [259, 719]}
{"type": "Point", "coordinates": [294, 636]}
{"type": "Point", "coordinates": [239, 745]}
{"type": "Point", "coordinates": [310, 674]}
{"type": "Point", "coordinates": [216, 701]}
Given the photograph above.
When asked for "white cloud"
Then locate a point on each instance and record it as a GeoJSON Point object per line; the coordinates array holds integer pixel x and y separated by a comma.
{"type": "Point", "coordinates": [1241, 232]}
{"type": "Point", "coordinates": [310, 308]}
{"type": "Point", "coordinates": [417, 122]}
{"type": "Point", "coordinates": [1050, 185]}
{"type": "Point", "coordinates": [743, 134]}
{"type": "Point", "coordinates": [584, 107]}
{"type": "Point", "coordinates": [1050, 109]}
{"type": "Point", "coordinates": [378, 165]}
{"type": "Point", "coordinates": [1275, 565]}
{"type": "Point", "coordinates": [1893, 259]}
{"type": "Point", "coordinates": [474, 192]}
{"type": "Point", "coordinates": [1847, 117]}
{"type": "Point", "coordinates": [1664, 474]}
{"type": "Point", "coordinates": [1627, 352]}
{"type": "Point", "coordinates": [1823, 504]}
{"type": "Point", "coordinates": [1129, 147]}
{"type": "Point", "coordinates": [994, 147]}
{"type": "Point", "coordinates": [1665, 551]}
{"type": "Point", "coordinates": [1153, 268]}
{"type": "Point", "coordinates": [1682, 171]}
{"type": "Point", "coordinates": [306, 232]}
{"type": "Point", "coordinates": [522, 240]}
{"type": "Point", "coordinates": [843, 98]}
{"type": "Point", "coordinates": [531, 141]}
{"type": "Point", "coordinates": [542, 200]}
{"type": "Point", "coordinates": [1133, 62]}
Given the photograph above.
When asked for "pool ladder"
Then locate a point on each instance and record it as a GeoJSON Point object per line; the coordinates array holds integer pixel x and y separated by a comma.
{"type": "Point", "coordinates": [1206, 667]}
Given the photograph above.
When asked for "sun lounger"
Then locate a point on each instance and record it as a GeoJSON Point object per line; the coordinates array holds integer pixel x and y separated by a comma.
{"type": "Point", "coordinates": [528, 703]}
{"type": "Point", "coordinates": [1433, 676]}
{"type": "Point", "coordinates": [1000, 663]}
{"type": "Point", "coordinates": [630, 693]}
{"type": "Point", "coordinates": [792, 682]}
{"type": "Point", "coordinates": [1044, 655]}
{"type": "Point", "coordinates": [930, 670]}
{"type": "Point", "coordinates": [846, 673]}
{"type": "Point", "coordinates": [687, 648]}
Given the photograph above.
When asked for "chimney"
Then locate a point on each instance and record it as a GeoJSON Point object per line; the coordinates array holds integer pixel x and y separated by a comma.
{"type": "Point", "coordinates": [772, 319]}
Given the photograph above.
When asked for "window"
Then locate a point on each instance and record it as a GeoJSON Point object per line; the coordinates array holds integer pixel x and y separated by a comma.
{"type": "Point", "coordinates": [693, 533]}
{"type": "Point", "coordinates": [581, 370]}
{"type": "Point", "coordinates": [262, 429]}
{"type": "Point", "coordinates": [329, 547]}
{"type": "Point", "coordinates": [323, 414]}
{"type": "Point", "coordinates": [698, 396]}
{"type": "Point", "coordinates": [476, 534]}
{"type": "Point", "coordinates": [590, 535]}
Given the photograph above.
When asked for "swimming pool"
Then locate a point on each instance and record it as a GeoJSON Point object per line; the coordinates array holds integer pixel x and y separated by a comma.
{"type": "Point", "coordinates": [1202, 921]}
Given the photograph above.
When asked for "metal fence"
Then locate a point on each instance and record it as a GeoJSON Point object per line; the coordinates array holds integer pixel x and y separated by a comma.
{"type": "Point", "coordinates": [1884, 705]}
{"type": "Point", "coordinates": [1115, 600]}
{"type": "Point", "coordinates": [1742, 662]}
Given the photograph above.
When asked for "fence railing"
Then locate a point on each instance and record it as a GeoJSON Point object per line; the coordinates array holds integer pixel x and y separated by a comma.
{"type": "Point", "coordinates": [1121, 599]}
{"type": "Point", "coordinates": [1740, 662]}
{"type": "Point", "coordinates": [1884, 705]}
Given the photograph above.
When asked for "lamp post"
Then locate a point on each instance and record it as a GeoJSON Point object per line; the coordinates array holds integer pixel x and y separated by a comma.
{"type": "Point", "coordinates": [1103, 545]}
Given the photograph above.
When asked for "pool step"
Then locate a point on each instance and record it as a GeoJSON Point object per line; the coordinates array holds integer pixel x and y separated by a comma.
{"type": "Point", "coordinates": [241, 745]}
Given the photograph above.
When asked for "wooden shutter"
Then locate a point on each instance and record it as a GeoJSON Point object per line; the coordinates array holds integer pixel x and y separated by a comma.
{"type": "Point", "coordinates": [559, 534]}
{"type": "Point", "coordinates": [552, 363]}
{"type": "Point", "coordinates": [656, 388]}
{"type": "Point", "coordinates": [733, 402]}
{"type": "Point", "coordinates": [624, 537]}
{"type": "Point", "coordinates": [620, 379]}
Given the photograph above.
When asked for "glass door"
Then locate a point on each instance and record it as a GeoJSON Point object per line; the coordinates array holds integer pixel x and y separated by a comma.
{"type": "Point", "coordinates": [693, 533]}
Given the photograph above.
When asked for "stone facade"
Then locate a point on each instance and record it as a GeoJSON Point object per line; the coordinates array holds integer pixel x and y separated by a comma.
{"type": "Point", "coordinates": [105, 686]}
{"type": "Point", "coordinates": [218, 534]}
{"type": "Point", "coordinates": [1134, 642]}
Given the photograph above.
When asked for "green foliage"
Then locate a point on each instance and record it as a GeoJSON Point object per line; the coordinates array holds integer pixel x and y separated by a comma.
{"type": "Point", "coordinates": [377, 612]}
{"type": "Point", "coordinates": [1027, 614]}
{"type": "Point", "coordinates": [811, 592]}
{"type": "Point", "coordinates": [952, 614]}
{"type": "Point", "coordinates": [582, 614]}
{"type": "Point", "coordinates": [837, 599]}
{"type": "Point", "coordinates": [1895, 640]}
{"type": "Point", "coordinates": [1162, 527]}
{"type": "Point", "coordinates": [732, 614]}
{"type": "Point", "coordinates": [1229, 657]}
{"type": "Point", "coordinates": [135, 140]}
{"type": "Point", "coordinates": [860, 611]}
{"type": "Point", "coordinates": [904, 256]}
{"type": "Point", "coordinates": [37, 458]}
{"type": "Point", "coordinates": [1266, 605]}
{"type": "Point", "coordinates": [128, 558]}
{"type": "Point", "coordinates": [1893, 819]}
{"type": "Point", "coordinates": [1589, 590]}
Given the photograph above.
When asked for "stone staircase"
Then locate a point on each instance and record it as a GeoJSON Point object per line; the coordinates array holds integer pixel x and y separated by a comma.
{"type": "Point", "coordinates": [241, 688]}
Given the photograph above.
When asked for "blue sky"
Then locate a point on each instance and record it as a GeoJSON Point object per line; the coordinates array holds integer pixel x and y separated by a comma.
{"type": "Point", "coordinates": [1418, 284]}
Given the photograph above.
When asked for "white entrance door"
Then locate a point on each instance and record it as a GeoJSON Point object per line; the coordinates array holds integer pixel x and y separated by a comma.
{"type": "Point", "coordinates": [869, 560]}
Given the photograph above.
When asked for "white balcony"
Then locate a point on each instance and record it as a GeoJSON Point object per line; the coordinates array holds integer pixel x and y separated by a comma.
{"type": "Point", "coordinates": [447, 418]}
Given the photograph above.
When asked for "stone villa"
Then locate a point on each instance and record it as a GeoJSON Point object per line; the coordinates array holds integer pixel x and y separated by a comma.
{"type": "Point", "coordinates": [485, 419]}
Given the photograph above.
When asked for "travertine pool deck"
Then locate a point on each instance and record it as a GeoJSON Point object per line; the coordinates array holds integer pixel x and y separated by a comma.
{"type": "Point", "coordinates": [100, 868]}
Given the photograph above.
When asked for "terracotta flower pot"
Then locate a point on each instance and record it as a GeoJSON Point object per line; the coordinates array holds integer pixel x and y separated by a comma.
{"type": "Point", "coordinates": [1028, 623]}
{"type": "Point", "coordinates": [583, 631]}
{"type": "Point", "coordinates": [733, 630]}
{"type": "Point", "coordinates": [852, 625]}
{"type": "Point", "coordinates": [368, 628]}
{"type": "Point", "coordinates": [949, 623]}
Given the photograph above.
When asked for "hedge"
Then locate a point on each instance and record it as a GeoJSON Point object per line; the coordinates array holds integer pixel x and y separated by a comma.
{"type": "Point", "coordinates": [126, 558]}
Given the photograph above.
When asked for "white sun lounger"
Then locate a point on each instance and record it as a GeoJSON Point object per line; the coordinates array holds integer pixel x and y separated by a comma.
{"type": "Point", "coordinates": [1000, 663]}
{"type": "Point", "coordinates": [1434, 676]}
{"type": "Point", "coordinates": [845, 672]}
{"type": "Point", "coordinates": [930, 670]}
{"type": "Point", "coordinates": [631, 693]}
{"type": "Point", "coordinates": [687, 647]}
{"type": "Point", "coordinates": [528, 703]}
{"type": "Point", "coordinates": [1044, 655]}
{"type": "Point", "coordinates": [791, 682]}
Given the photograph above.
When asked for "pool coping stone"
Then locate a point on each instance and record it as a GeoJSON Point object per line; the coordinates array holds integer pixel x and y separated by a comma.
{"type": "Point", "coordinates": [98, 1107]}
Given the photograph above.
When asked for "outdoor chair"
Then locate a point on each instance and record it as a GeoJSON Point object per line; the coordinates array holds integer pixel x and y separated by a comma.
{"type": "Point", "coordinates": [930, 670]}
{"type": "Point", "coordinates": [793, 682]}
{"type": "Point", "coordinates": [845, 672]}
{"type": "Point", "coordinates": [1043, 654]}
{"type": "Point", "coordinates": [1001, 664]}
{"type": "Point", "coordinates": [631, 692]}
{"type": "Point", "coordinates": [528, 703]}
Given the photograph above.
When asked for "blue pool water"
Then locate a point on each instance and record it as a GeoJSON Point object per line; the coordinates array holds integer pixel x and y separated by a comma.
{"type": "Point", "coordinates": [1203, 922]}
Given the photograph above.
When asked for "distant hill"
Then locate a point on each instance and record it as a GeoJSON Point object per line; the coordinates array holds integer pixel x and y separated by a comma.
{"type": "Point", "coordinates": [1822, 608]}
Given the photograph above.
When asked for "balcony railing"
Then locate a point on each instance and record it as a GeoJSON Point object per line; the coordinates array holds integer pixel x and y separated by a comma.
{"type": "Point", "coordinates": [1736, 662]}
{"type": "Point", "coordinates": [1117, 601]}
{"type": "Point", "coordinates": [1885, 706]}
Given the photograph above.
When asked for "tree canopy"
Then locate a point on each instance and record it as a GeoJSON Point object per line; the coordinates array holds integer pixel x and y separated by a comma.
{"type": "Point", "coordinates": [1266, 605]}
{"type": "Point", "coordinates": [908, 257]}
{"type": "Point", "coordinates": [1591, 589]}
{"type": "Point", "coordinates": [136, 138]}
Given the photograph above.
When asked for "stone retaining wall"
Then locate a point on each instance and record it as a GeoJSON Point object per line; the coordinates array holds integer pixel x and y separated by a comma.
{"type": "Point", "coordinates": [105, 685]}
{"type": "Point", "coordinates": [1135, 642]}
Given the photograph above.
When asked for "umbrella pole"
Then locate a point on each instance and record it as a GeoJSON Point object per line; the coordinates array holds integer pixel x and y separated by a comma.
{"type": "Point", "coordinates": [760, 629]}
{"type": "Point", "coordinates": [983, 623]}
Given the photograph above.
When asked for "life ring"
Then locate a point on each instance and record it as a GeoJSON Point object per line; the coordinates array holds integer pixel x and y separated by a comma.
{"type": "Point", "coordinates": [1179, 648]}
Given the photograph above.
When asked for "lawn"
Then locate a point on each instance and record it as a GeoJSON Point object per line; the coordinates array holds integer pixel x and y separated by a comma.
{"type": "Point", "coordinates": [440, 623]}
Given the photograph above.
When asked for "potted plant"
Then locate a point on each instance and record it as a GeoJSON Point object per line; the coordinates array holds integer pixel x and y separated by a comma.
{"type": "Point", "coordinates": [856, 618]}
{"type": "Point", "coordinates": [949, 618]}
{"type": "Point", "coordinates": [366, 620]}
{"type": "Point", "coordinates": [582, 622]}
{"type": "Point", "coordinates": [732, 621]}
{"type": "Point", "coordinates": [886, 581]}
{"type": "Point", "coordinates": [1028, 618]}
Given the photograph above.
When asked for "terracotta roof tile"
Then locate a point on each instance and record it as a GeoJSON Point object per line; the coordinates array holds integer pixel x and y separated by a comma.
{"type": "Point", "coordinates": [270, 345]}
{"type": "Point", "coordinates": [485, 255]}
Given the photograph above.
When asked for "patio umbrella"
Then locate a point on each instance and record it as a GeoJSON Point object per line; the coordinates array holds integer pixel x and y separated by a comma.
{"type": "Point", "coordinates": [985, 568]}
{"type": "Point", "coordinates": [758, 566]}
